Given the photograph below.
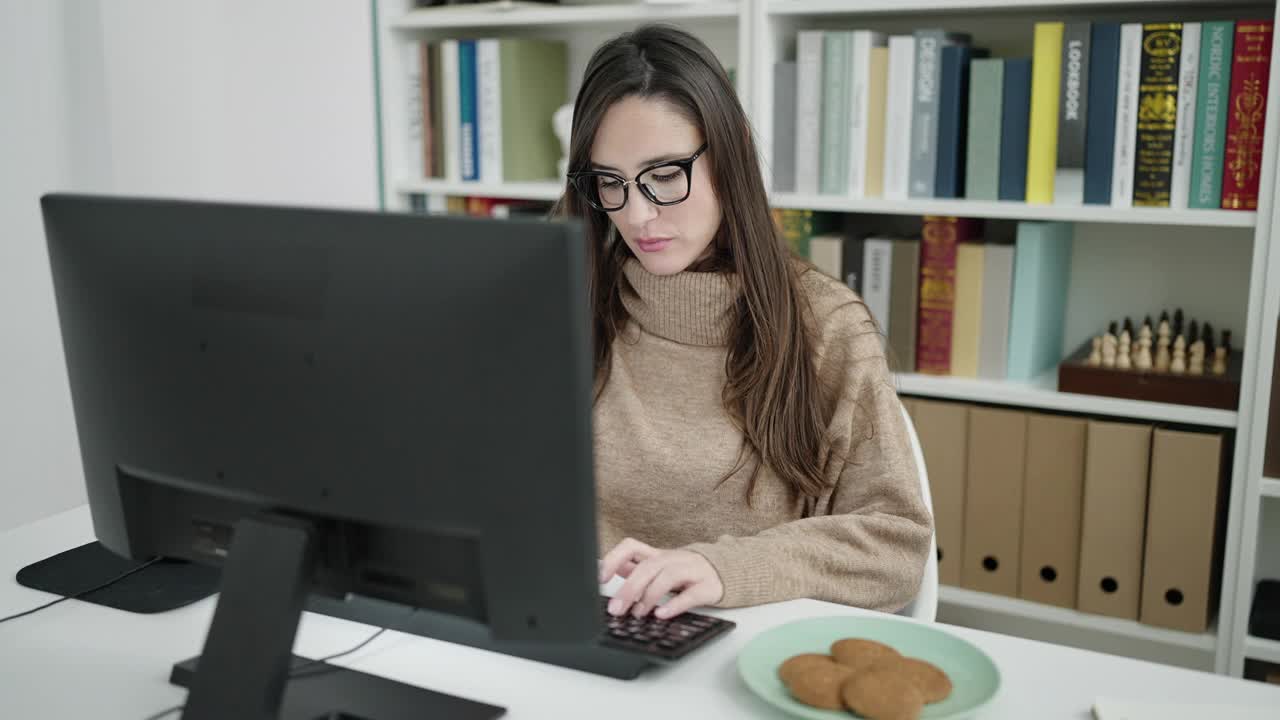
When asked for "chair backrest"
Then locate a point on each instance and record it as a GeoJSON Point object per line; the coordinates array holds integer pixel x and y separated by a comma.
{"type": "Point", "coordinates": [925, 604]}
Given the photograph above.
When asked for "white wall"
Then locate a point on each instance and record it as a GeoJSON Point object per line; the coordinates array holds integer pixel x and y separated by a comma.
{"type": "Point", "coordinates": [230, 100]}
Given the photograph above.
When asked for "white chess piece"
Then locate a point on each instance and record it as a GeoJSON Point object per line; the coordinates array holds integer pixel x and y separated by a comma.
{"type": "Point", "coordinates": [1195, 362]}
{"type": "Point", "coordinates": [1095, 356]}
{"type": "Point", "coordinates": [1143, 359]}
{"type": "Point", "coordinates": [1109, 347]}
{"type": "Point", "coordinates": [1124, 359]}
{"type": "Point", "coordinates": [1162, 347]}
{"type": "Point", "coordinates": [562, 124]}
{"type": "Point", "coordinates": [1179, 364]}
{"type": "Point", "coordinates": [1219, 360]}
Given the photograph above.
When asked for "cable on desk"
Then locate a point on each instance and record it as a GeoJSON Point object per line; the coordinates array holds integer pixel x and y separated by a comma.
{"type": "Point", "coordinates": [82, 593]}
{"type": "Point", "coordinates": [165, 713]}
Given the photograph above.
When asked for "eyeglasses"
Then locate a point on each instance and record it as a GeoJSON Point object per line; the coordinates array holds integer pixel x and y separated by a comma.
{"type": "Point", "coordinates": [665, 183]}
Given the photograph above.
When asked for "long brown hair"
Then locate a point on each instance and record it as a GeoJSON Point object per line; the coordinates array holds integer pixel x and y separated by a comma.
{"type": "Point", "coordinates": [772, 391]}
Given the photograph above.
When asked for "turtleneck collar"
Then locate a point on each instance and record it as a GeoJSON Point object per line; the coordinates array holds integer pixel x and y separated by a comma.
{"type": "Point", "coordinates": [691, 308]}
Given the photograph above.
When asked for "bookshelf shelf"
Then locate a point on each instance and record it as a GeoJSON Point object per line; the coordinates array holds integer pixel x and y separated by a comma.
{"type": "Point", "coordinates": [897, 7]}
{"type": "Point", "coordinates": [1270, 488]}
{"type": "Point", "coordinates": [1074, 619]}
{"type": "Point", "coordinates": [507, 13]}
{"type": "Point", "coordinates": [1262, 649]}
{"type": "Point", "coordinates": [508, 191]}
{"type": "Point", "coordinates": [1019, 211]}
{"type": "Point", "coordinates": [1041, 393]}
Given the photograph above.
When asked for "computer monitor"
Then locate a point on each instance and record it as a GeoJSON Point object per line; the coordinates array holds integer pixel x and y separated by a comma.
{"type": "Point", "coordinates": [333, 401]}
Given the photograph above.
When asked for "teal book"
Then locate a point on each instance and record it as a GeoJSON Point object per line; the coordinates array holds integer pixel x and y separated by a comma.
{"type": "Point", "coordinates": [1041, 271]}
{"type": "Point", "coordinates": [986, 94]}
{"type": "Point", "coordinates": [1216, 39]}
{"type": "Point", "coordinates": [837, 94]}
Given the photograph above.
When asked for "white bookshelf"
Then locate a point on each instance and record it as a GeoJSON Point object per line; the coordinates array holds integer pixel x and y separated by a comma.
{"type": "Point", "coordinates": [1257, 648]}
{"type": "Point", "coordinates": [751, 35]}
{"type": "Point", "coordinates": [1041, 394]}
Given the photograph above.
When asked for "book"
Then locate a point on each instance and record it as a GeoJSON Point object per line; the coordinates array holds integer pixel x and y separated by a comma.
{"type": "Point", "coordinates": [784, 126]}
{"type": "Point", "coordinates": [808, 109]}
{"type": "Point", "coordinates": [983, 131]}
{"type": "Point", "coordinates": [837, 82]}
{"type": "Point", "coordinates": [825, 252]}
{"type": "Point", "coordinates": [1157, 114]}
{"type": "Point", "coordinates": [876, 293]}
{"type": "Point", "coordinates": [1216, 41]}
{"type": "Point", "coordinates": [451, 110]}
{"type": "Point", "coordinates": [533, 80]}
{"type": "Point", "coordinates": [1126, 114]}
{"type": "Point", "coordinates": [953, 118]}
{"type": "Point", "coordinates": [798, 226]}
{"type": "Point", "coordinates": [877, 95]}
{"type": "Point", "coordinates": [1073, 108]}
{"type": "Point", "coordinates": [861, 113]}
{"type": "Point", "coordinates": [1100, 123]}
{"type": "Point", "coordinates": [852, 256]}
{"type": "Point", "coordinates": [997, 300]}
{"type": "Point", "coordinates": [923, 163]}
{"type": "Point", "coordinates": [966, 335]}
{"type": "Point", "coordinates": [1184, 126]}
{"type": "Point", "coordinates": [1042, 138]}
{"type": "Point", "coordinates": [904, 287]}
{"type": "Point", "coordinates": [938, 249]}
{"type": "Point", "coordinates": [897, 124]}
{"type": "Point", "coordinates": [416, 141]}
{"type": "Point", "coordinates": [433, 111]}
{"type": "Point", "coordinates": [1042, 270]}
{"type": "Point", "coordinates": [1015, 116]}
{"type": "Point", "coordinates": [1250, 72]}
{"type": "Point", "coordinates": [489, 110]}
{"type": "Point", "coordinates": [469, 140]}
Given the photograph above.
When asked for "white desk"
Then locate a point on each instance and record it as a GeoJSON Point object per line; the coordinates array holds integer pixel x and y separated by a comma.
{"type": "Point", "coordinates": [77, 660]}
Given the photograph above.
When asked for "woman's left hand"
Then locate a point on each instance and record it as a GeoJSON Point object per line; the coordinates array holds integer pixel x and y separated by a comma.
{"type": "Point", "coordinates": [652, 573]}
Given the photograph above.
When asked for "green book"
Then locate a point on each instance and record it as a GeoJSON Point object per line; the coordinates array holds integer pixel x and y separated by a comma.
{"type": "Point", "coordinates": [986, 98]}
{"type": "Point", "coordinates": [837, 94]}
{"type": "Point", "coordinates": [1212, 99]}
{"type": "Point", "coordinates": [534, 84]}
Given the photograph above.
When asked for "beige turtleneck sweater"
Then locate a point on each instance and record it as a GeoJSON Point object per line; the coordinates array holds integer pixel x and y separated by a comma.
{"type": "Point", "coordinates": [663, 440]}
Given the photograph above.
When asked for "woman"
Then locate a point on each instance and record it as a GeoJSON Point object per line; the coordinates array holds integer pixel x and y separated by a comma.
{"type": "Point", "coordinates": [749, 443]}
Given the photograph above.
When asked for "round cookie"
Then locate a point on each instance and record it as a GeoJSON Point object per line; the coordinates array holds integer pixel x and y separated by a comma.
{"type": "Point", "coordinates": [882, 694]}
{"type": "Point", "coordinates": [820, 685]}
{"type": "Point", "coordinates": [859, 654]}
{"type": "Point", "coordinates": [929, 679]}
{"type": "Point", "coordinates": [796, 665]}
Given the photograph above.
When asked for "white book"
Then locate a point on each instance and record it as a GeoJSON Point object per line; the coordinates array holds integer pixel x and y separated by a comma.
{"type": "Point", "coordinates": [1185, 130]}
{"type": "Point", "coordinates": [1126, 115]}
{"type": "Point", "coordinates": [859, 114]}
{"type": "Point", "coordinates": [808, 110]}
{"type": "Point", "coordinates": [437, 204]}
{"type": "Point", "coordinates": [489, 110]}
{"type": "Point", "coordinates": [897, 121]}
{"type": "Point", "coordinates": [414, 121]}
{"type": "Point", "coordinates": [826, 252]}
{"type": "Point", "coordinates": [877, 267]}
{"type": "Point", "coordinates": [451, 110]}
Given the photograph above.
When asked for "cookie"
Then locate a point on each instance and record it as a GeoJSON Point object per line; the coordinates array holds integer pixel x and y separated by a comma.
{"type": "Point", "coordinates": [819, 685]}
{"type": "Point", "coordinates": [794, 666]}
{"type": "Point", "coordinates": [859, 654]}
{"type": "Point", "coordinates": [882, 694]}
{"type": "Point", "coordinates": [929, 679]}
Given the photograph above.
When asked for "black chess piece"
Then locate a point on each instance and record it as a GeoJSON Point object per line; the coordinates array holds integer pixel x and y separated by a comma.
{"type": "Point", "coordinates": [1146, 322]}
{"type": "Point", "coordinates": [1206, 333]}
{"type": "Point", "coordinates": [1164, 316]}
{"type": "Point", "coordinates": [1128, 327]}
{"type": "Point", "coordinates": [1112, 329]}
{"type": "Point", "coordinates": [1177, 322]}
{"type": "Point", "coordinates": [1226, 340]}
{"type": "Point", "coordinates": [1193, 332]}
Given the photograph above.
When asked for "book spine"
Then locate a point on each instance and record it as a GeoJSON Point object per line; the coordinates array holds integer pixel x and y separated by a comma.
{"type": "Point", "coordinates": [808, 109]}
{"type": "Point", "coordinates": [1126, 114]}
{"type": "Point", "coordinates": [864, 41]}
{"type": "Point", "coordinates": [1073, 109]}
{"type": "Point", "coordinates": [1014, 126]}
{"type": "Point", "coordinates": [1042, 141]}
{"type": "Point", "coordinates": [982, 141]}
{"type": "Point", "coordinates": [903, 304]}
{"type": "Point", "coordinates": [1250, 71]}
{"type": "Point", "coordinates": [897, 128]}
{"type": "Point", "coordinates": [953, 113]}
{"type": "Point", "coordinates": [876, 291]}
{"type": "Point", "coordinates": [489, 110]}
{"type": "Point", "coordinates": [937, 293]}
{"type": "Point", "coordinates": [469, 145]}
{"type": "Point", "coordinates": [1216, 41]}
{"type": "Point", "coordinates": [1157, 114]}
{"type": "Point", "coordinates": [416, 137]}
{"type": "Point", "coordinates": [1188, 74]}
{"type": "Point", "coordinates": [451, 110]}
{"type": "Point", "coordinates": [784, 127]}
{"type": "Point", "coordinates": [876, 97]}
{"type": "Point", "coordinates": [833, 157]}
{"type": "Point", "coordinates": [1100, 125]}
{"type": "Point", "coordinates": [924, 113]}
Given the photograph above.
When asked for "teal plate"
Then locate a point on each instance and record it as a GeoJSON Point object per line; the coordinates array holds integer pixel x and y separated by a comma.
{"type": "Point", "coordinates": [974, 676]}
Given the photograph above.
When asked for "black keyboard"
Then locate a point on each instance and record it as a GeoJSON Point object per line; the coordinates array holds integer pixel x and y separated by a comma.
{"type": "Point", "coordinates": [654, 637]}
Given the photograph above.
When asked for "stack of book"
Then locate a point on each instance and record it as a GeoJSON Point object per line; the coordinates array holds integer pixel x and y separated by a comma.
{"type": "Point", "coordinates": [1155, 115]}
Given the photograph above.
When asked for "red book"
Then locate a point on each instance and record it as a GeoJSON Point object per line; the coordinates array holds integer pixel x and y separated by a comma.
{"type": "Point", "coordinates": [938, 290]}
{"type": "Point", "coordinates": [1246, 114]}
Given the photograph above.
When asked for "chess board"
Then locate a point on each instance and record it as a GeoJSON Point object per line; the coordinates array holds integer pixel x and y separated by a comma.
{"type": "Point", "coordinates": [1075, 375]}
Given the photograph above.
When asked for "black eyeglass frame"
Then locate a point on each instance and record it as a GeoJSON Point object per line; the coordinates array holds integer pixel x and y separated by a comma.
{"type": "Point", "coordinates": [685, 164]}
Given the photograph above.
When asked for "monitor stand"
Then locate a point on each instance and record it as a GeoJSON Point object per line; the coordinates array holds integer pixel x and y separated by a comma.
{"type": "Point", "coordinates": [163, 586]}
{"type": "Point", "coordinates": [244, 670]}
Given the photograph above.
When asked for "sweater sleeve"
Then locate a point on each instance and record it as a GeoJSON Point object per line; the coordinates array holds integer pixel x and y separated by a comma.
{"type": "Point", "coordinates": [867, 541]}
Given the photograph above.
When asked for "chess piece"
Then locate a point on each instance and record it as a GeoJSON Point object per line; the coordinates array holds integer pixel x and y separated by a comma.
{"type": "Point", "coordinates": [1178, 365]}
{"type": "Point", "coordinates": [1220, 360]}
{"type": "Point", "coordinates": [1206, 334]}
{"type": "Point", "coordinates": [1124, 358]}
{"type": "Point", "coordinates": [1142, 360]}
{"type": "Point", "coordinates": [1162, 347]}
{"type": "Point", "coordinates": [1195, 358]}
{"type": "Point", "coordinates": [1110, 344]}
{"type": "Point", "coordinates": [1177, 322]}
{"type": "Point", "coordinates": [1128, 327]}
{"type": "Point", "coordinates": [1145, 331]}
{"type": "Point", "coordinates": [1193, 333]}
{"type": "Point", "coordinates": [1226, 341]}
{"type": "Point", "coordinates": [1095, 355]}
